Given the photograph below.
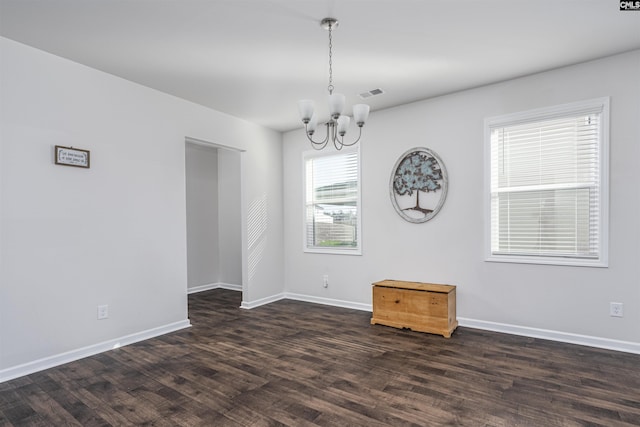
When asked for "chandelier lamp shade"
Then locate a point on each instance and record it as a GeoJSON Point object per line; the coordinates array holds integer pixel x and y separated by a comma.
{"type": "Point", "coordinates": [338, 123]}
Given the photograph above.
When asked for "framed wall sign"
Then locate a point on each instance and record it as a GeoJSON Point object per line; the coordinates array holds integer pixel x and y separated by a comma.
{"type": "Point", "coordinates": [418, 185]}
{"type": "Point", "coordinates": [69, 156]}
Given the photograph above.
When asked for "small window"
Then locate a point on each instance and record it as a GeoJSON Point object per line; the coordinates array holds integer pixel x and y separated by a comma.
{"type": "Point", "coordinates": [332, 202]}
{"type": "Point", "coordinates": [547, 180]}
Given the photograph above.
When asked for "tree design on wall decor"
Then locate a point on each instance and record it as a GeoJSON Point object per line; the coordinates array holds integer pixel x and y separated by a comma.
{"type": "Point", "coordinates": [419, 170]}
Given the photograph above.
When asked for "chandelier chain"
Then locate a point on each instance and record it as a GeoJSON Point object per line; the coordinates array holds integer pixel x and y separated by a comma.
{"type": "Point", "coordinates": [330, 87]}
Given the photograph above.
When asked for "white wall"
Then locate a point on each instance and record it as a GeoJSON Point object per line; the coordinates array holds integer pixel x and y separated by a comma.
{"type": "Point", "coordinates": [566, 301]}
{"type": "Point", "coordinates": [114, 234]}
{"type": "Point", "coordinates": [203, 267]}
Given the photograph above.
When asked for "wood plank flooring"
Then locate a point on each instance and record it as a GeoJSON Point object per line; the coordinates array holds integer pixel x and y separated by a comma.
{"type": "Point", "coordinates": [298, 364]}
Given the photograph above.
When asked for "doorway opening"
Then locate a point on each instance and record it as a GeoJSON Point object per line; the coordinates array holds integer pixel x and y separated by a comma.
{"type": "Point", "coordinates": [214, 216]}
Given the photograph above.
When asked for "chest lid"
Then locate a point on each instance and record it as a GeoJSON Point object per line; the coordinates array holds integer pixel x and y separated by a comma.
{"type": "Point", "coordinates": [416, 286]}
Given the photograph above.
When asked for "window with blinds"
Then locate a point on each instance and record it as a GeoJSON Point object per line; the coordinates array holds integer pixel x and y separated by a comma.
{"type": "Point", "coordinates": [548, 186]}
{"type": "Point", "coordinates": [332, 202]}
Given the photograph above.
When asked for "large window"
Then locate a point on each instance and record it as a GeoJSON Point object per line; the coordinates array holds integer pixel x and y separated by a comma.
{"type": "Point", "coordinates": [332, 202]}
{"type": "Point", "coordinates": [548, 185]}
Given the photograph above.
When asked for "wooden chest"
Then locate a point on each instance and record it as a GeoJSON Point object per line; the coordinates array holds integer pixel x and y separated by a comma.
{"type": "Point", "coordinates": [422, 307]}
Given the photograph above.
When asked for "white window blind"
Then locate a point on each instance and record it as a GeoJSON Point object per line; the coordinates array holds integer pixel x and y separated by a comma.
{"type": "Point", "coordinates": [332, 202]}
{"type": "Point", "coordinates": [546, 186]}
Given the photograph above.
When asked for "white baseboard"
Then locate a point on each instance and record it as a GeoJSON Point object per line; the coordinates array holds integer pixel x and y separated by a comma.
{"type": "Point", "coordinates": [211, 286]}
{"type": "Point", "coordinates": [202, 288]}
{"type": "Point", "coordinates": [586, 340]}
{"type": "Point", "coordinates": [590, 341]}
{"type": "Point", "coordinates": [60, 359]}
{"type": "Point", "coordinates": [329, 301]}
{"type": "Point", "coordinates": [230, 287]}
{"type": "Point", "coordinates": [257, 303]}
{"type": "Point", "coordinates": [305, 298]}
{"type": "Point", "coordinates": [70, 356]}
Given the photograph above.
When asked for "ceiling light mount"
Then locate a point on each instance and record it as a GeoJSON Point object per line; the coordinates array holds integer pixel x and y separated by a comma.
{"type": "Point", "coordinates": [338, 123]}
{"type": "Point", "coordinates": [328, 23]}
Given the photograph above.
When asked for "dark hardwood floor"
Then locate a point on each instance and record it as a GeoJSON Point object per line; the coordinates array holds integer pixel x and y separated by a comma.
{"type": "Point", "coordinates": [298, 364]}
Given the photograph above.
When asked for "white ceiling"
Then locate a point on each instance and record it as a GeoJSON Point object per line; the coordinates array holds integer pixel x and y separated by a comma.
{"type": "Point", "coordinates": [255, 58]}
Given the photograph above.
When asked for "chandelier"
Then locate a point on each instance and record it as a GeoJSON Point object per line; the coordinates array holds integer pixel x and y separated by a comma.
{"type": "Point", "coordinates": [337, 126]}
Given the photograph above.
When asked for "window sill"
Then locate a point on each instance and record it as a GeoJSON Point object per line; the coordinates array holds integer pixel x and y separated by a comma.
{"type": "Point", "coordinates": [571, 262]}
{"type": "Point", "coordinates": [333, 251]}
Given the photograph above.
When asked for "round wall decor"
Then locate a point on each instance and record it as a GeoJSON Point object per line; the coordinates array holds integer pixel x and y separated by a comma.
{"type": "Point", "coordinates": [418, 185]}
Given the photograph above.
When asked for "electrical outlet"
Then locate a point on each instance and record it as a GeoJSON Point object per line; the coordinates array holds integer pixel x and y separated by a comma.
{"type": "Point", "coordinates": [103, 312]}
{"type": "Point", "coordinates": [325, 281]}
{"type": "Point", "coordinates": [616, 309]}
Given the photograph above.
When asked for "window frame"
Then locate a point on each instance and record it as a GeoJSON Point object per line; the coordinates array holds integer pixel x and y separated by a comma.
{"type": "Point", "coordinates": [548, 113]}
{"type": "Point", "coordinates": [357, 250]}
